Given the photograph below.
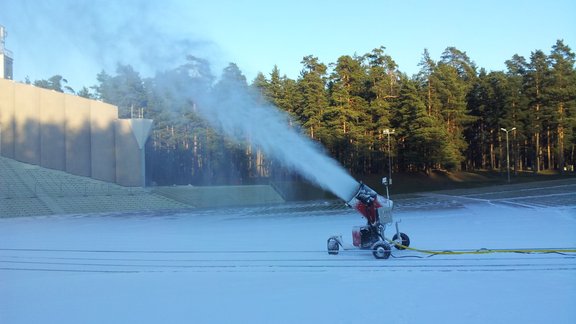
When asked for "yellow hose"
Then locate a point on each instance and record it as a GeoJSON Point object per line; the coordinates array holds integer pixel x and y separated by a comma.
{"type": "Point", "coordinates": [485, 251]}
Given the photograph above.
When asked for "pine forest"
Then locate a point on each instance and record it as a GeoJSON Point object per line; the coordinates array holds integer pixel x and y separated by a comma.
{"type": "Point", "coordinates": [450, 115]}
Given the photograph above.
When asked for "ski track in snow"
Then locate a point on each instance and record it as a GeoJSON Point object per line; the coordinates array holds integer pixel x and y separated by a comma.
{"type": "Point", "coordinates": [185, 267]}
{"type": "Point", "coordinates": [271, 261]}
{"type": "Point", "coordinates": [268, 259]}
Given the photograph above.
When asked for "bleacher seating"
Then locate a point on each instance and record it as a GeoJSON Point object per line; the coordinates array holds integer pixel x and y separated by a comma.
{"type": "Point", "coordinates": [29, 190]}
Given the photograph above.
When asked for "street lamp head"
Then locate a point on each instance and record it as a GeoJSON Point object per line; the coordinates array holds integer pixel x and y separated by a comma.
{"type": "Point", "coordinates": [503, 129]}
{"type": "Point", "coordinates": [513, 128]}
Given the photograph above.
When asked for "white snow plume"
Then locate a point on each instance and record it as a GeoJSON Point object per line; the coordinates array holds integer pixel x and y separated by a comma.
{"type": "Point", "coordinates": [240, 115]}
{"type": "Point", "coordinates": [150, 36]}
{"type": "Point", "coordinates": [80, 38]}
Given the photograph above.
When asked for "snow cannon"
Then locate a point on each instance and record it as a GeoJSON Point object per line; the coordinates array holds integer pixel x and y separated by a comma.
{"type": "Point", "coordinates": [377, 210]}
{"type": "Point", "coordinates": [371, 205]}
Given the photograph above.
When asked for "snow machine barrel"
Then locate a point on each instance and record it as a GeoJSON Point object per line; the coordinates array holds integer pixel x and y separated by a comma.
{"type": "Point", "coordinates": [375, 208]}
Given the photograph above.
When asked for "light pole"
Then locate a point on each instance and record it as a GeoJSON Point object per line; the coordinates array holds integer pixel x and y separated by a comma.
{"type": "Point", "coordinates": [388, 132]}
{"type": "Point", "coordinates": [507, 151]}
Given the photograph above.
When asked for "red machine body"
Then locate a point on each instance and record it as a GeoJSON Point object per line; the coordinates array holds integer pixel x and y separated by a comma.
{"type": "Point", "coordinates": [375, 208]}
{"type": "Point", "coordinates": [377, 211]}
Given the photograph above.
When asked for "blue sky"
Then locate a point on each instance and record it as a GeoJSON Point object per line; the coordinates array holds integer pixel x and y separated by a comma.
{"type": "Point", "coordinates": [79, 38]}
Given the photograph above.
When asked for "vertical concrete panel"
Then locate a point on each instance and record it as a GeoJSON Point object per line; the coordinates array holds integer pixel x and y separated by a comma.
{"type": "Point", "coordinates": [103, 117]}
{"type": "Point", "coordinates": [78, 150]}
{"type": "Point", "coordinates": [128, 156]}
{"type": "Point", "coordinates": [7, 118]}
{"type": "Point", "coordinates": [52, 130]}
{"type": "Point", "coordinates": [27, 123]}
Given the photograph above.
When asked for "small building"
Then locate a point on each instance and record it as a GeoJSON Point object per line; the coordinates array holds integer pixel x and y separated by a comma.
{"type": "Point", "coordinates": [6, 58]}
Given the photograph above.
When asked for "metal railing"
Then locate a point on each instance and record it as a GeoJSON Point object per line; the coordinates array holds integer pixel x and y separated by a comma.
{"type": "Point", "coordinates": [6, 52]}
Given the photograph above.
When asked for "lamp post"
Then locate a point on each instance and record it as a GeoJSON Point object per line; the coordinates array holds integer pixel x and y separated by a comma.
{"type": "Point", "coordinates": [507, 151]}
{"type": "Point", "coordinates": [388, 132]}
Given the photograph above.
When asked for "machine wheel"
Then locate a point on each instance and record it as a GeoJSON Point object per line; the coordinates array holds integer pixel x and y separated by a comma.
{"type": "Point", "coordinates": [381, 250]}
{"type": "Point", "coordinates": [333, 246]}
{"type": "Point", "coordinates": [405, 241]}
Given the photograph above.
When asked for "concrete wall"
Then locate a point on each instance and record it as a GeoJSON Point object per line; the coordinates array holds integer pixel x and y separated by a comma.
{"type": "Point", "coordinates": [52, 133]}
{"type": "Point", "coordinates": [68, 133]}
{"type": "Point", "coordinates": [128, 155]}
{"type": "Point", "coordinates": [26, 112]}
{"type": "Point", "coordinates": [103, 141]}
{"type": "Point", "coordinates": [78, 131]}
{"type": "Point", "coordinates": [7, 119]}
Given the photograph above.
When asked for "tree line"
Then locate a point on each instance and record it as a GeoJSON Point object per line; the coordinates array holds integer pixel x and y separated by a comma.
{"type": "Point", "coordinates": [450, 115]}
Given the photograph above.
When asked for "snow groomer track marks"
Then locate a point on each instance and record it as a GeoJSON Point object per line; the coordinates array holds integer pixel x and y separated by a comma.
{"type": "Point", "coordinates": [270, 261]}
{"type": "Point", "coordinates": [476, 205]}
{"type": "Point", "coordinates": [155, 267]}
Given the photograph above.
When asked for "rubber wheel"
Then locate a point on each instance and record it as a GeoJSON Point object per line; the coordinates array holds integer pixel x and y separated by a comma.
{"type": "Point", "coordinates": [381, 250]}
{"type": "Point", "coordinates": [333, 246]}
{"type": "Point", "coordinates": [405, 241]}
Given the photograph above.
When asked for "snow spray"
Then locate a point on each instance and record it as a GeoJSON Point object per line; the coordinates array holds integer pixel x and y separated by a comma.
{"type": "Point", "coordinates": [240, 115]}
{"type": "Point", "coordinates": [151, 45]}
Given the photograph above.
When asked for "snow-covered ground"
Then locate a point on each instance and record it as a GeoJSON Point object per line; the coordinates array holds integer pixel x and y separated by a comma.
{"type": "Point", "coordinates": [269, 265]}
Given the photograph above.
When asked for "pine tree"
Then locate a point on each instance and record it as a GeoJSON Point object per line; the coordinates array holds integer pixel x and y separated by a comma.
{"type": "Point", "coordinates": [455, 75]}
{"type": "Point", "coordinates": [85, 93]}
{"type": "Point", "coordinates": [488, 104]}
{"type": "Point", "coordinates": [347, 114]}
{"type": "Point", "coordinates": [428, 83]}
{"type": "Point", "coordinates": [238, 157]}
{"type": "Point", "coordinates": [314, 101]}
{"type": "Point", "coordinates": [56, 83]}
{"type": "Point", "coordinates": [478, 134]}
{"type": "Point", "coordinates": [275, 90]}
{"type": "Point", "coordinates": [535, 83]}
{"type": "Point", "coordinates": [426, 144]}
{"type": "Point", "coordinates": [517, 111]}
{"type": "Point", "coordinates": [562, 94]}
{"type": "Point", "coordinates": [289, 97]}
{"type": "Point", "coordinates": [125, 90]}
{"type": "Point", "coordinates": [383, 84]}
{"type": "Point", "coordinates": [261, 86]}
